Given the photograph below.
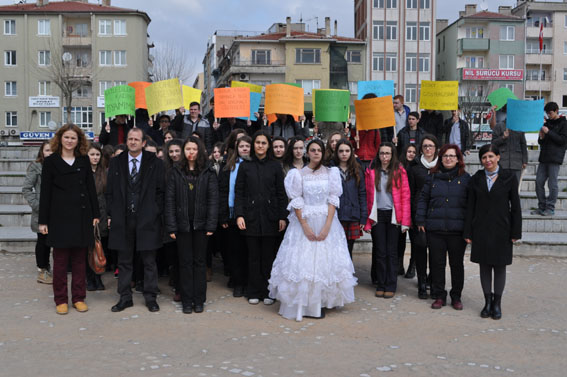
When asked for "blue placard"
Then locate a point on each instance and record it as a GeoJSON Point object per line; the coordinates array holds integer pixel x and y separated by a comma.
{"type": "Point", "coordinates": [525, 116]}
{"type": "Point", "coordinates": [379, 87]}
{"type": "Point", "coordinates": [45, 135]}
{"type": "Point", "coordinates": [255, 99]}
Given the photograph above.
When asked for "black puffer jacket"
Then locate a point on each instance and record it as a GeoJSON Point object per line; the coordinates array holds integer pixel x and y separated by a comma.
{"type": "Point", "coordinates": [417, 176]}
{"type": "Point", "coordinates": [442, 205]}
{"type": "Point", "coordinates": [554, 143]}
{"type": "Point", "coordinates": [177, 204]}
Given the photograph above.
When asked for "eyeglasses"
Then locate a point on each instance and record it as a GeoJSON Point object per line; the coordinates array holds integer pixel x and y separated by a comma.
{"type": "Point", "coordinates": [428, 146]}
{"type": "Point", "coordinates": [450, 156]}
{"type": "Point", "coordinates": [385, 153]}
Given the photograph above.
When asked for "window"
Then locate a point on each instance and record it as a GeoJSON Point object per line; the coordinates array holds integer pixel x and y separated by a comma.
{"type": "Point", "coordinates": [119, 27]}
{"type": "Point", "coordinates": [105, 58]}
{"type": "Point", "coordinates": [9, 27]}
{"type": "Point", "coordinates": [564, 101]}
{"type": "Point", "coordinates": [424, 63]}
{"type": "Point", "coordinates": [424, 31]}
{"type": "Point", "coordinates": [411, 31]}
{"type": "Point", "coordinates": [508, 86]}
{"type": "Point", "coordinates": [308, 55]}
{"type": "Point", "coordinates": [11, 119]}
{"type": "Point", "coordinates": [474, 32]}
{"type": "Point", "coordinates": [44, 88]}
{"type": "Point", "coordinates": [506, 62]}
{"type": "Point", "coordinates": [391, 3]}
{"type": "Point", "coordinates": [474, 62]}
{"type": "Point", "coordinates": [535, 74]}
{"type": "Point", "coordinates": [438, 45]}
{"type": "Point", "coordinates": [44, 118]}
{"type": "Point", "coordinates": [309, 85]}
{"type": "Point", "coordinates": [81, 116]}
{"type": "Point", "coordinates": [378, 3]}
{"type": "Point", "coordinates": [565, 47]}
{"type": "Point", "coordinates": [507, 33]}
{"type": "Point", "coordinates": [82, 59]}
{"type": "Point", "coordinates": [81, 30]}
{"type": "Point", "coordinates": [564, 74]}
{"type": "Point", "coordinates": [84, 91]}
{"type": "Point", "coordinates": [10, 89]}
{"type": "Point", "coordinates": [103, 85]}
{"type": "Point", "coordinates": [44, 58]}
{"type": "Point", "coordinates": [263, 57]}
{"type": "Point", "coordinates": [378, 62]}
{"type": "Point", "coordinates": [390, 62]}
{"type": "Point", "coordinates": [43, 27]}
{"type": "Point", "coordinates": [353, 57]}
{"type": "Point", "coordinates": [424, 4]}
{"type": "Point", "coordinates": [104, 27]}
{"type": "Point", "coordinates": [411, 62]}
{"type": "Point", "coordinates": [391, 30]}
{"type": "Point", "coordinates": [411, 93]}
{"type": "Point", "coordinates": [10, 58]}
{"type": "Point", "coordinates": [353, 87]}
{"type": "Point", "coordinates": [443, 43]}
{"type": "Point", "coordinates": [377, 30]}
{"type": "Point", "coordinates": [118, 83]}
{"type": "Point", "coordinates": [120, 57]}
{"type": "Point", "coordinates": [411, 4]}
{"type": "Point", "coordinates": [475, 91]}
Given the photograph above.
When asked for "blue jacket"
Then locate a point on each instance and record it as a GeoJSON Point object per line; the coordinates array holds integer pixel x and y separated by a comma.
{"type": "Point", "coordinates": [442, 204]}
{"type": "Point", "coordinates": [353, 200]}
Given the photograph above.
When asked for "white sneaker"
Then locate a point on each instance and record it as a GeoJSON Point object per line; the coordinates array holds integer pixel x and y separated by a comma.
{"type": "Point", "coordinates": [268, 301]}
{"type": "Point", "coordinates": [253, 301]}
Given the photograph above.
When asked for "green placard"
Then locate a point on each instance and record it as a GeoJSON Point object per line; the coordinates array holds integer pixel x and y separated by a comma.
{"type": "Point", "coordinates": [293, 84]}
{"type": "Point", "coordinates": [500, 97]}
{"type": "Point", "coordinates": [119, 100]}
{"type": "Point", "coordinates": [331, 105]}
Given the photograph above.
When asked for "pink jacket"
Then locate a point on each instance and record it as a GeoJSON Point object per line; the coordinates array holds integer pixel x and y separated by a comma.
{"type": "Point", "coordinates": [400, 196]}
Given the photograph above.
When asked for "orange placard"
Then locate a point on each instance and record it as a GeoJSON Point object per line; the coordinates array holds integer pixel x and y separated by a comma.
{"type": "Point", "coordinates": [273, 117]}
{"type": "Point", "coordinates": [374, 113]}
{"type": "Point", "coordinates": [232, 102]}
{"type": "Point", "coordinates": [140, 87]}
{"type": "Point", "coordinates": [283, 99]}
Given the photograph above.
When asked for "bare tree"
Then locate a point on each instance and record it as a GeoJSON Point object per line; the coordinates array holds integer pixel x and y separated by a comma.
{"type": "Point", "coordinates": [172, 61]}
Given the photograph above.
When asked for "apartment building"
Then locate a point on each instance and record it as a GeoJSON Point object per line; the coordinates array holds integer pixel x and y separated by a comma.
{"type": "Point", "coordinates": [45, 43]}
{"type": "Point", "coordinates": [400, 36]}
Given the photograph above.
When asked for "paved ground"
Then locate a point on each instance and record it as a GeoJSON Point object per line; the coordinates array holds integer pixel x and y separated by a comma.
{"type": "Point", "coordinates": [372, 337]}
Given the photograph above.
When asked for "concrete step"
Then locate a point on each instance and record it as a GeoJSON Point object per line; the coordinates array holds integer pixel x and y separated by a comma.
{"type": "Point", "coordinates": [529, 201]}
{"type": "Point", "coordinates": [12, 178]}
{"type": "Point", "coordinates": [25, 152]}
{"type": "Point", "coordinates": [17, 239]}
{"type": "Point", "coordinates": [544, 224]}
{"type": "Point", "coordinates": [15, 215]}
{"type": "Point", "coordinates": [10, 164]}
{"type": "Point", "coordinates": [531, 168]}
{"type": "Point", "coordinates": [11, 195]}
{"type": "Point", "coordinates": [529, 183]}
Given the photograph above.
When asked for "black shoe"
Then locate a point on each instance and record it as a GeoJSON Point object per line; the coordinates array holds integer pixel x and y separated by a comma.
{"type": "Point", "coordinates": [401, 270]}
{"type": "Point", "coordinates": [230, 283]}
{"type": "Point", "coordinates": [139, 287]}
{"type": "Point", "coordinates": [91, 285]}
{"type": "Point", "coordinates": [410, 273]}
{"type": "Point", "coordinates": [188, 309]}
{"type": "Point", "coordinates": [122, 305]}
{"type": "Point", "coordinates": [487, 310]}
{"type": "Point", "coordinates": [238, 292]}
{"type": "Point", "coordinates": [421, 288]}
{"type": "Point", "coordinates": [496, 309]}
{"type": "Point", "coordinates": [99, 285]}
{"type": "Point", "coordinates": [152, 306]}
{"type": "Point", "coordinates": [199, 308]}
{"type": "Point", "coordinates": [428, 281]}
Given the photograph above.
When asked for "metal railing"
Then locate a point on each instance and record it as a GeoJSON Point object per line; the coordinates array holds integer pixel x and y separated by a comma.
{"type": "Point", "coordinates": [536, 51]}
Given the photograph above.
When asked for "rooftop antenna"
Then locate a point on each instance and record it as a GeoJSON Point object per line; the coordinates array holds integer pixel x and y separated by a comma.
{"type": "Point", "coordinates": [483, 6]}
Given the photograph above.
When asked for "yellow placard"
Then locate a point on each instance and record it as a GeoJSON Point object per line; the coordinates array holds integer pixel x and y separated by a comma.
{"type": "Point", "coordinates": [190, 95]}
{"type": "Point", "coordinates": [232, 102]}
{"type": "Point", "coordinates": [439, 95]}
{"type": "Point", "coordinates": [253, 88]}
{"type": "Point", "coordinates": [283, 99]}
{"type": "Point", "coordinates": [164, 95]}
{"type": "Point", "coordinates": [374, 113]}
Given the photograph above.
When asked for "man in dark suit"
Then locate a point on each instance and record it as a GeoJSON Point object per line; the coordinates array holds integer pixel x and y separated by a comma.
{"type": "Point", "coordinates": [135, 201]}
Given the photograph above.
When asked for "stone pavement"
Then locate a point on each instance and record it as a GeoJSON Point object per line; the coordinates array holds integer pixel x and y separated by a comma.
{"type": "Point", "coordinates": [371, 337]}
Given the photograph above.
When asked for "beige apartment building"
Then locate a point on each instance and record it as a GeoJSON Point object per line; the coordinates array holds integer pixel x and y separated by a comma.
{"type": "Point", "coordinates": [43, 43]}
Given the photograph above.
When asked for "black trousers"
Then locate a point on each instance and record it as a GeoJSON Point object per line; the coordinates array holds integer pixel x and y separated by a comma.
{"type": "Point", "coordinates": [261, 255]}
{"type": "Point", "coordinates": [419, 251]}
{"type": "Point", "coordinates": [42, 251]}
{"type": "Point", "coordinates": [237, 255]}
{"type": "Point", "coordinates": [192, 252]}
{"type": "Point", "coordinates": [385, 252]}
{"type": "Point", "coordinates": [439, 246]}
{"type": "Point", "coordinates": [401, 245]}
{"type": "Point", "coordinates": [126, 265]}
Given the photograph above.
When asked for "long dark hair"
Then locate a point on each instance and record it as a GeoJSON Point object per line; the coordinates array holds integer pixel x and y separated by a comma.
{"type": "Point", "coordinates": [404, 156]}
{"type": "Point", "coordinates": [40, 156]}
{"type": "Point", "coordinates": [320, 143]}
{"type": "Point", "coordinates": [270, 151]}
{"type": "Point", "coordinates": [460, 159]}
{"type": "Point", "coordinates": [100, 172]}
{"type": "Point", "coordinates": [431, 138]}
{"type": "Point", "coordinates": [393, 168]}
{"type": "Point", "coordinates": [288, 156]}
{"type": "Point", "coordinates": [167, 160]}
{"type": "Point", "coordinates": [231, 162]}
{"type": "Point", "coordinates": [329, 152]}
{"type": "Point", "coordinates": [279, 138]}
{"type": "Point", "coordinates": [201, 162]}
{"type": "Point", "coordinates": [353, 167]}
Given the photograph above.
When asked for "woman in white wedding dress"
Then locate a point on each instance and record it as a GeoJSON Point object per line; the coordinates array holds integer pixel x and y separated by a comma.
{"type": "Point", "coordinates": [313, 269]}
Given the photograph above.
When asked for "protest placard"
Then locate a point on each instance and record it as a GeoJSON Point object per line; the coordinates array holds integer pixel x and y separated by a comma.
{"type": "Point", "coordinates": [232, 102]}
{"type": "Point", "coordinates": [283, 99]}
{"type": "Point", "coordinates": [255, 99]}
{"type": "Point", "coordinates": [331, 105]}
{"type": "Point", "coordinates": [525, 116]}
{"type": "Point", "coordinates": [119, 100]}
{"type": "Point", "coordinates": [379, 87]}
{"type": "Point", "coordinates": [499, 97]}
{"type": "Point", "coordinates": [164, 95]}
{"type": "Point", "coordinates": [253, 88]}
{"type": "Point", "coordinates": [374, 113]}
{"type": "Point", "coordinates": [140, 87]}
{"type": "Point", "coordinates": [190, 95]}
{"type": "Point", "coordinates": [439, 95]}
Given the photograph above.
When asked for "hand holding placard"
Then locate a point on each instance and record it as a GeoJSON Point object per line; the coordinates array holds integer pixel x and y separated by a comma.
{"type": "Point", "coordinates": [119, 100]}
{"type": "Point", "coordinates": [374, 113]}
{"type": "Point", "coordinates": [283, 99]}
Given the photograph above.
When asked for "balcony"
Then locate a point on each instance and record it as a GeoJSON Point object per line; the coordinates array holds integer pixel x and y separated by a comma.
{"type": "Point", "coordinates": [536, 85]}
{"type": "Point", "coordinates": [76, 40]}
{"type": "Point", "coordinates": [473, 44]}
{"type": "Point", "coordinates": [533, 32]}
{"type": "Point", "coordinates": [250, 66]}
{"type": "Point", "coordinates": [533, 56]}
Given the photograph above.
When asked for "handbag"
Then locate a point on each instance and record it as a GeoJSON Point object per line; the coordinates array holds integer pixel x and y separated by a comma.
{"type": "Point", "coordinates": [97, 260]}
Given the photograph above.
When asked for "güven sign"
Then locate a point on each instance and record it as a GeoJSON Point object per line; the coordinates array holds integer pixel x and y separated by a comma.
{"type": "Point", "coordinates": [493, 74]}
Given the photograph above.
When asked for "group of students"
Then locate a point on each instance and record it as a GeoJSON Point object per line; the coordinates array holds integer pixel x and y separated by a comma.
{"type": "Point", "coordinates": [288, 209]}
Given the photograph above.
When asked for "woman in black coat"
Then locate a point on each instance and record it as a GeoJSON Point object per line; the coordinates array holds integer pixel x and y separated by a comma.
{"type": "Point", "coordinates": [191, 215]}
{"type": "Point", "coordinates": [441, 213]}
{"type": "Point", "coordinates": [493, 224]}
{"type": "Point", "coordinates": [68, 210]}
{"type": "Point", "coordinates": [260, 211]}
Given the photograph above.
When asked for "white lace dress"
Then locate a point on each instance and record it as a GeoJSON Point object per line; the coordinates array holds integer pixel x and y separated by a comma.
{"type": "Point", "coordinates": [310, 275]}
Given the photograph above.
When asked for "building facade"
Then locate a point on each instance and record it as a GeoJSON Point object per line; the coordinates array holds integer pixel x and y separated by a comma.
{"type": "Point", "coordinates": [48, 44]}
{"type": "Point", "coordinates": [400, 36]}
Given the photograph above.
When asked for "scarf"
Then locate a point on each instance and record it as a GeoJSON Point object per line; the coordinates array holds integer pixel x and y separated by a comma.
{"type": "Point", "coordinates": [428, 165]}
{"type": "Point", "coordinates": [491, 177]}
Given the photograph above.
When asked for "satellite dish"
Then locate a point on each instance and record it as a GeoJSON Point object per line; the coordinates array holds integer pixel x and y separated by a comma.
{"type": "Point", "coordinates": [67, 57]}
{"type": "Point", "coordinates": [52, 125]}
{"type": "Point", "coordinates": [483, 6]}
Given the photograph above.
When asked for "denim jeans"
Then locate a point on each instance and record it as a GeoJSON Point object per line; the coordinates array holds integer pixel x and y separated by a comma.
{"type": "Point", "coordinates": [547, 172]}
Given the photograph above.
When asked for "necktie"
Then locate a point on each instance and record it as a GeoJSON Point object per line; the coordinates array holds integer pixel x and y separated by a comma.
{"type": "Point", "coordinates": [134, 172]}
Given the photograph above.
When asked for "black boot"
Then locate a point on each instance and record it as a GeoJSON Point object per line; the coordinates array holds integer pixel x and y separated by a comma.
{"type": "Point", "coordinates": [401, 270]}
{"type": "Point", "coordinates": [98, 282]}
{"type": "Point", "coordinates": [421, 288]}
{"type": "Point", "coordinates": [410, 273]}
{"type": "Point", "coordinates": [487, 310]}
{"type": "Point", "coordinates": [496, 310]}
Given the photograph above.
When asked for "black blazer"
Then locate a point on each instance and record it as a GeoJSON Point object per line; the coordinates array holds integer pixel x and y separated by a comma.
{"type": "Point", "coordinates": [149, 234]}
{"type": "Point", "coordinates": [111, 138]}
{"type": "Point", "coordinates": [68, 202]}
